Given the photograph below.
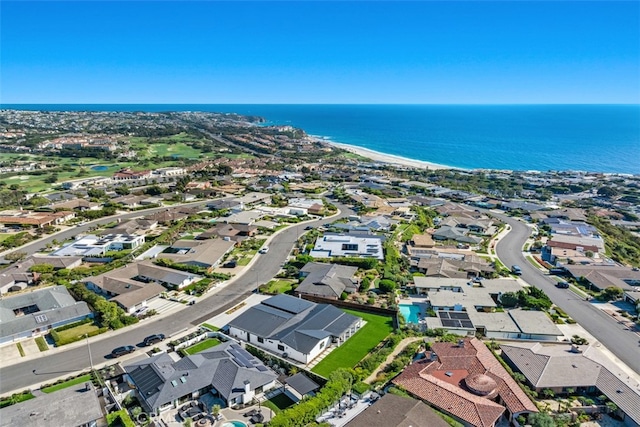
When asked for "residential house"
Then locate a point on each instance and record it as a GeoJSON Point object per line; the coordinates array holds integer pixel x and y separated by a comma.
{"type": "Point", "coordinates": [235, 232]}
{"type": "Point", "coordinates": [200, 253]}
{"type": "Point", "coordinates": [601, 277]}
{"type": "Point", "coordinates": [19, 275]}
{"type": "Point", "coordinates": [34, 219]}
{"type": "Point", "coordinates": [224, 204]}
{"type": "Point", "coordinates": [169, 216]}
{"type": "Point", "coordinates": [560, 367]}
{"type": "Point", "coordinates": [253, 199]}
{"type": "Point", "coordinates": [469, 267]}
{"type": "Point", "coordinates": [327, 280]}
{"type": "Point", "coordinates": [348, 245]}
{"type": "Point", "coordinates": [76, 205]}
{"type": "Point", "coordinates": [134, 226]}
{"type": "Point", "coordinates": [482, 227]}
{"type": "Point", "coordinates": [392, 410]}
{"type": "Point", "coordinates": [467, 382]}
{"type": "Point", "coordinates": [169, 277]}
{"type": "Point", "coordinates": [122, 287]}
{"type": "Point", "coordinates": [97, 246]}
{"type": "Point", "coordinates": [130, 201]}
{"type": "Point", "coordinates": [127, 174]}
{"type": "Point", "coordinates": [75, 406]}
{"type": "Point", "coordinates": [294, 328]}
{"type": "Point", "coordinates": [456, 234]}
{"type": "Point", "coordinates": [34, 313]}
{"type": "Point", "coordinates": [227, 371]}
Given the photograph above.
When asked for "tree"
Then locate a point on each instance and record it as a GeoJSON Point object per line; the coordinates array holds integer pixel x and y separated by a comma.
{"type": "Point", "coordinates": [508, 299]}
{"type": "Point", "coordinates": [51, 179]}
{"type": "Point", "coordinates": [38, 201]}
{"type": "Point", "coordinates": [15, 256]}
{"type": "Point", "coordinates": [122, 190]}
{"type": "Point", "coordinates": [541, 419]}
{"type": "Point", "coordinates": [612, 293]}
{"type": "Point", "coordinates": [96, 193]}
{"type": "Point", "coordinates": [42, 268]}
{"type": "Point", "coordinates": [548, 393]}
{"type": "Point", "coordinates": [387, 285]}
{"type": "Point", "coordinates": [607, 192]}
{"type": "Point", "coordinates": [154, 190]}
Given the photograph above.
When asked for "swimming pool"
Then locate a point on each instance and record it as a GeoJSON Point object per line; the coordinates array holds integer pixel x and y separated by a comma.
{"type": "Point", "coordinates": [410, 312]}
{"type": "Point", "coordinates": [99, 168]}
{"type": "Point", "coordinates": [234, 423]}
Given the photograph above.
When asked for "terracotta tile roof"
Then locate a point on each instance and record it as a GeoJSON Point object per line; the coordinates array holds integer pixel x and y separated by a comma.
{"type": "Point", "coordinates": [440, 383]}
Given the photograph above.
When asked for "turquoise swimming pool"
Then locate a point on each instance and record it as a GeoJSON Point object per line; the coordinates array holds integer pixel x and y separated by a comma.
{"type": "Point", "coordinates": [410, 312]}
{"type": "Point", "coordinates": [234, 423]}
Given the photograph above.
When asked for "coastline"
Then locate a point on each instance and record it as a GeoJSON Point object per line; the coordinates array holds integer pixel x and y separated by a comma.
{"type": "Point", "coordinates": [379, 157]}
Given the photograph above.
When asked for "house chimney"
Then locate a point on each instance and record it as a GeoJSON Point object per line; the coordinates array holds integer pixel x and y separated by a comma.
{"type": "Point", "coordinates": [461, 343]}
{"type": "Point", "coordinates": [247, 386]}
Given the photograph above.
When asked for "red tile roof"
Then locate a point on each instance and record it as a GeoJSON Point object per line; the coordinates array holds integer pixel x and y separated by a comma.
{"type": "Point", "coordinates": [429, 381]}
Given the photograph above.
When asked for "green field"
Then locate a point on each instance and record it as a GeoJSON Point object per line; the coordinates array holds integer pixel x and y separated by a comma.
{"type": "Point", "coordinates": [203, 345]}
{"type": "Point", "coordinates": [70, 383]}
{"type": "Point", "coordinates": [358, 346]}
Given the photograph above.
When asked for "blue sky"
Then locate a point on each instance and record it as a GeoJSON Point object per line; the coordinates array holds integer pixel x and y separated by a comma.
{"type": "Point", "coordinates": [320, 52]}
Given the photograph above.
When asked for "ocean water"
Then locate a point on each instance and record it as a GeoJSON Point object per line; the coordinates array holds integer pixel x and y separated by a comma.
{"type": "Point", "coordinates": [596, 138]}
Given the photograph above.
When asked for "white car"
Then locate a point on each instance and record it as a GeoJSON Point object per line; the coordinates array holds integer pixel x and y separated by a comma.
{"type": "Point", "coordinates": [264, 250]}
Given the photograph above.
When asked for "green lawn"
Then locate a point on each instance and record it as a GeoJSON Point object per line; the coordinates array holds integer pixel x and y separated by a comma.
{"type": "Point", "coordinates": [177, 149]}
{"type": "Point", "coordinates": [203, 345]}
{"type": "Point", "coordinates": [78, 331]}
{"type": "Point", "coordinates": [70, 383]}
{"type": "Point", "coordinates": [278, 286]}
{"type": "Point", "coordinates": [358, 346]}
{"type": "Point", "coordinates": [16, 398]}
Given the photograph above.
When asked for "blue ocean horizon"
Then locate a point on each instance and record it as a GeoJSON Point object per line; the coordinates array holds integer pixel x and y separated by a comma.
{"type": "Point", "coordinates": [592, 138]}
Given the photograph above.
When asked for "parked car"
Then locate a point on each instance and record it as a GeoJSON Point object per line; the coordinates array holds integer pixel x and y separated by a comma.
{"type": "Point", "coordinates": [562, 285]}
{"type": "Point", "coordinates": [121, 351]}
{"type": "Point", "coordinates": [264, 250]}
{"type": "Point", "coordinates": [516, 270]}
{"type": "Point", "coordinates": [230, 264]}
{"type": "Point", "coordinates": [309, 227]}
{"type": "Point", "coordinates": [153, 339]}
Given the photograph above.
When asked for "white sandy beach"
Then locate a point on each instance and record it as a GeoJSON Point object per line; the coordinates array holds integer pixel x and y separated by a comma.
{"type": "Point", "coordinates": [377, 156]}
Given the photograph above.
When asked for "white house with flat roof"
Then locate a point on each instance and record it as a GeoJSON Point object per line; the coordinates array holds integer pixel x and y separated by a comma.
{"type": "Point", "coordinates": [92, 245]}
{"type": "Point", "coordinates": [343, 245]}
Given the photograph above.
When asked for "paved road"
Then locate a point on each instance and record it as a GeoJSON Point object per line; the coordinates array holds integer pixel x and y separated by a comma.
{"type": "Point", "coordinates": [620, 341]}
{"type": "Point", "coordinates": [21, 376]}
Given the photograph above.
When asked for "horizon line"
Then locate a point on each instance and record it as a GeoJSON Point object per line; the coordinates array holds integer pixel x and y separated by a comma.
{"type": "Point", "coordinates": [3, 104]}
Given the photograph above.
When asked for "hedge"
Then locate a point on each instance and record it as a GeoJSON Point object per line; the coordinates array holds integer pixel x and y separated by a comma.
{"type": "Point", "coordinates": [73, 325]}
{"type": "Point", "coordinates": [307, 410]}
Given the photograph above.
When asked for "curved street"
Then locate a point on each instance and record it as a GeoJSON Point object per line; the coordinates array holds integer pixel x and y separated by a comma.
{"type": "Point", "coordinates": [618, 339]}
{"type": "Point", "coordinates": [67, 362]}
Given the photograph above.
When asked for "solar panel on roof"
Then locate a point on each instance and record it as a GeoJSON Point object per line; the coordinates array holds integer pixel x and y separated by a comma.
{"type": "Point", "coordinates": [243, 361]}
{"type": "Point", "coordinates": [443, 315]}
{"type": "Point", "coordinates": [459, 316]}
{"type": "Point", "coordinates": [261, 368]}
{"type": "Point", "coordinates": [466, 323]}
{"type": "Point", "coordinates": [448, 323]}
